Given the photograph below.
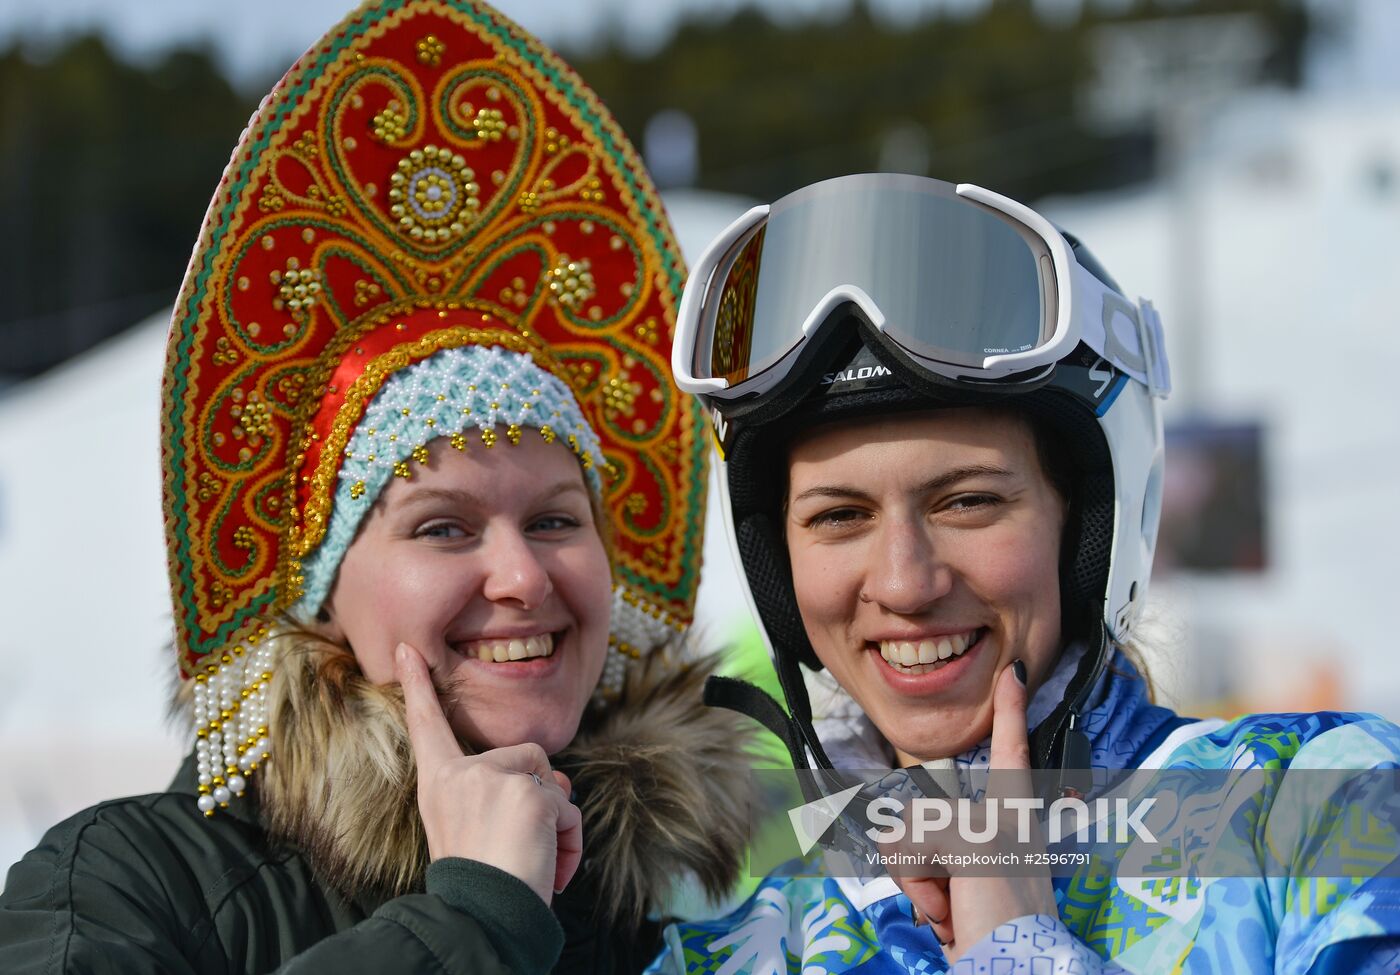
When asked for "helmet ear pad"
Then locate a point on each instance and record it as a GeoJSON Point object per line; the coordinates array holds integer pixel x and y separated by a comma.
{"type": "Point", "coordinates": [1075, 455]}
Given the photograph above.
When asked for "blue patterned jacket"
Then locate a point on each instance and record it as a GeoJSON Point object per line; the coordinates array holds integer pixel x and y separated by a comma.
{"type": "Point", "coordinates": [1106, 924]}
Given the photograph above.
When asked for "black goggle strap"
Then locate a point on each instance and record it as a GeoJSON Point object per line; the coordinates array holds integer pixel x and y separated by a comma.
{"type": "Point", "coordinates": [1059, 742]}
{"type": "Point", "coordinates": [794, 730]}
{"type": "Point", "coordinates": [752, 701]}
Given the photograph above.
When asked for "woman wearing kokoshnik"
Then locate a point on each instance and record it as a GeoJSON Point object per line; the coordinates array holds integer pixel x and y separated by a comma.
{"type": "Point", "coordinates": [434, 516]}
{"type": "Point", "coordinates": [940, 425]}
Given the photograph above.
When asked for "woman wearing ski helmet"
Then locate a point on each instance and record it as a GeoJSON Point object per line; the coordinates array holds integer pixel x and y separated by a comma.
{"type": "Point", "coordinates": [939, 422]}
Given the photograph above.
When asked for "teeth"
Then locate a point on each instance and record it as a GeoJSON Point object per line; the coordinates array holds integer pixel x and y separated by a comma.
{"type": "Point", "coordinates": [519, 648]}
{"type": "Point", "coordinates": [919, 658]}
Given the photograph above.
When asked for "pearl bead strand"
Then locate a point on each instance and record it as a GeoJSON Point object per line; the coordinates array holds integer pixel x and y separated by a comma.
{"type": "Point", "coordinates": [637, 628]}
{"type": "Point", "coordinates": [230, 717]}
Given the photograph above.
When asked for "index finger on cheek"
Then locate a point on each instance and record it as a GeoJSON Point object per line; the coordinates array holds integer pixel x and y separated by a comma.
{"type": "Point", "coordinates": [1011, 751]}
{"type": "Point", "coordinates": [428, 731]}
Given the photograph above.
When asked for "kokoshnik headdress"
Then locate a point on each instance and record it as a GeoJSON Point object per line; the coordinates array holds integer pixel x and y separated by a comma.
{"type": "Point", "coordinates": [431, 228]}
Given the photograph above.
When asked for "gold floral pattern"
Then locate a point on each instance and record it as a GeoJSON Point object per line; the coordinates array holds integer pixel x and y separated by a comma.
{"type": "Point", "coordinates": [427, 167]}
{"type": "Point", "coordinates": [434, 193]}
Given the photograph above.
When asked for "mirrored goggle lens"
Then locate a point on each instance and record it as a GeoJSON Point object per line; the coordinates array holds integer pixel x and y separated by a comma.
{"type": "Point", "coordinates": [731, 349]}
{"type": "Point", "coordinates": [955, 282]}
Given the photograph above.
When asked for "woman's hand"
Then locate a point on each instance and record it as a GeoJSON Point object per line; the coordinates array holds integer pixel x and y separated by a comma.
{"type": "Point", "coordinates": [964, 910]}
{"type": "Point", "coordinates": [488, 807]}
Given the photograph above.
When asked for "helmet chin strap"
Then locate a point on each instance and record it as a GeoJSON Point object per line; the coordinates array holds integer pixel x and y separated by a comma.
{"type": "Point", "coordinates": [1057, 743]}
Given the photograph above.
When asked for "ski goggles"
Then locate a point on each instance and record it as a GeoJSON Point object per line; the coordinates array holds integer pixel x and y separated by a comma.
{"type": "Point", "coordinates": [970, 285]}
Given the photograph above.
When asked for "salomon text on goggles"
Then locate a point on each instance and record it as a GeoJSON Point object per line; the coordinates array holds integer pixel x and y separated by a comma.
{"type": "Point", "coordinates": [970, 285]}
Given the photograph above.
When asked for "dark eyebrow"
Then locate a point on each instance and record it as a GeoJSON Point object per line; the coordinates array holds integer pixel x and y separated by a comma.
{"type": "Point", "coordinates": [460, 496]}
{"type": "Point", "coordinates": [932, 486]}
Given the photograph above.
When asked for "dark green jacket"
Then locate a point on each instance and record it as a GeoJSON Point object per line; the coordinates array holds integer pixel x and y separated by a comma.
{"type": "Point", "coordinates": [148, 884]}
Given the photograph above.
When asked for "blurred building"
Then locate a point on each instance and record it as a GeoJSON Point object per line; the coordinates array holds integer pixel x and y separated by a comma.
{"type": "Point", "coordinates": [1296, 211]}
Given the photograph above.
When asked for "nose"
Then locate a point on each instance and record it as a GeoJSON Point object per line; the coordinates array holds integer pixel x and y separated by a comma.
{"type": "Point", "coordinates": [905, 573]}
{"type": "Point", "coordinates": [514, 571]}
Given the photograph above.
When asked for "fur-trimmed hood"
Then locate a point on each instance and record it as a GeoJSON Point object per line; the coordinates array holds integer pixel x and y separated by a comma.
{"type": "Point", "coordinates": [662, 780]}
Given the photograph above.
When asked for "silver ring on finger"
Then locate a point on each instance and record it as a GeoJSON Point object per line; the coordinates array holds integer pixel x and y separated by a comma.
{"type": "Point", "coordinates": [536, 777]}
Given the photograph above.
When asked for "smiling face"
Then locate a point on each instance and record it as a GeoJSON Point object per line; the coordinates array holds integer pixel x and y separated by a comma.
{"type": "Point", "coordinates": [490, 564]}
{"type": "Point", "coordinates": [925, 559]}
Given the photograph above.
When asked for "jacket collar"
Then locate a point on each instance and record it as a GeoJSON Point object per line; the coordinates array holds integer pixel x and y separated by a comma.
{"type": "Point", "coordinates": [662, 782]}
